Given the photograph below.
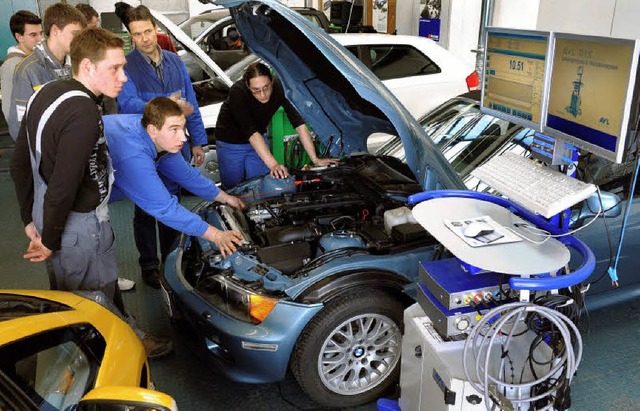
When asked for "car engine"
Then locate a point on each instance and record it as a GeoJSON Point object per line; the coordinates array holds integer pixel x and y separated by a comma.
{"type": "Point", "coordinates": [359, 205]}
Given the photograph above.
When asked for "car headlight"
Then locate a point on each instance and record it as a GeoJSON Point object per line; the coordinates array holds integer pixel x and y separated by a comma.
{"type": "Point", "coordinates": [236, 301]}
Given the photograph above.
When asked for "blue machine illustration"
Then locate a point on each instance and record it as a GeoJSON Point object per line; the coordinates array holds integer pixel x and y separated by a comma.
{"type": "Point", "coordinates": [576, 101]}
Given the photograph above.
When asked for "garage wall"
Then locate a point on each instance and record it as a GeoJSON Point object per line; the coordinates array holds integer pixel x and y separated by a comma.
{"type": "Point", "coordinates": [176, 10]}
{"type": "Point", "coordinates": [520, 14]}
{"type": "Point", "coordinates": [577, 16]}
{"type": "Point", "coordinates": [461, 36]}
{"type": "Point", "coordinates": [625, 19]}
{"type": "Point", "coordinates": [608, 18]}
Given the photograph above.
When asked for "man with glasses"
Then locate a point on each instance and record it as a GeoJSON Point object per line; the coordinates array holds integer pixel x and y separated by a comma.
{"type": "Point", "coordinates": [154, 72]}
{"type": "Point", "coordinates": [49, 60]}
{"type": "Point", "coordinates": [26, 28]}
{"type": "Point", "coordinates": [242, 150]}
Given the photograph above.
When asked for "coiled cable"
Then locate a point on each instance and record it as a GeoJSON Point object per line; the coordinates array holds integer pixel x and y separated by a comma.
{"type": "Point", "coordinates": [498, 327]}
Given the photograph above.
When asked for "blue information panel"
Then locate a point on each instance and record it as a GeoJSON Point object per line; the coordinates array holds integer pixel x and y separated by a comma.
{"type": "Point", "coordinates": [429, 28]}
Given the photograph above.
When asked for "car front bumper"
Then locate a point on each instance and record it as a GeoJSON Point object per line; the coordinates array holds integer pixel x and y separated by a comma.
{"type": "Point", "coordinates": [242, 352]}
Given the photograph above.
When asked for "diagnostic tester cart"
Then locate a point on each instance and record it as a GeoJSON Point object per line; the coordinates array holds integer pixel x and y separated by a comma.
{"type": "Point", "coordinates": [488, 330]}
{"type": "Point", "coordinates": [453, 292]}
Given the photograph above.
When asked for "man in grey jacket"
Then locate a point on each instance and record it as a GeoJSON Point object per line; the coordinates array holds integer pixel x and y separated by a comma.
{"type": "Point", "coordinates": [26, 28]}
{"type": "Point", "coordinates": [49, 61]}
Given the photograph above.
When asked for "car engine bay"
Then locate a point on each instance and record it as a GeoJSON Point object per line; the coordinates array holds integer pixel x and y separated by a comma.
{"type": "Point", "coordinates": [356, 207]}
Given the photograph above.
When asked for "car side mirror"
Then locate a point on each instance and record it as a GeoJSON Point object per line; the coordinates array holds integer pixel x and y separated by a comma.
{"type": "Point", "coordinates": [126, 398]}
{"type": "Point", "coordinates": [589, 208]}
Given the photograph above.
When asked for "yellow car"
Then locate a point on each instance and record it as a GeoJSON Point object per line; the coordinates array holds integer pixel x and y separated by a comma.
{"type": "Point", "coordinates": [61, 351]}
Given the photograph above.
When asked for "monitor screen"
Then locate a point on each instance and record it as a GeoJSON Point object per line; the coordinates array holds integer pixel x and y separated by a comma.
{"type": "Point", "coordinates": [591, 91]}
{"type": "Point", "coordinates": [515, 75]}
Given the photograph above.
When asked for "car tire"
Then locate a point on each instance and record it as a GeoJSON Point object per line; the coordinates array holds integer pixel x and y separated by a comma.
{"type": "Point", "coordinates": [355, 336]}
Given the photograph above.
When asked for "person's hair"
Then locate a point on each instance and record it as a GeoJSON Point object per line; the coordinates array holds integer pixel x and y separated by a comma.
{"type": "Point", "coordinates": [62, 14]}
{"type": "Point", "coordinates": [92, 44]}
{"type": "Point", "coordinates": [121, 11]}
{"type": "Point", "coordinates": [140, 13]}
{"type": "Point", "coordinates": [157, 110]}
{"type": "Point", "coordinates": [87, 11]}
{"type": "Point", "coordinates": [20, 19]}
{"type": "Point", "coordinates": [256, 70]}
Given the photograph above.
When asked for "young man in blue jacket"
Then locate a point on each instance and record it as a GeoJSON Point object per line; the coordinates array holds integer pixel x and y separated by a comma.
{"type": "Point", "coordinates": [153, 72]}
{"type": "Point", "coordinates": [145, 151]}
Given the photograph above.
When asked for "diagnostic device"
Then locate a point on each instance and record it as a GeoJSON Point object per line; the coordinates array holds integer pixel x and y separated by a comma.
{"type": "Point", "coordinates": [515, 75]}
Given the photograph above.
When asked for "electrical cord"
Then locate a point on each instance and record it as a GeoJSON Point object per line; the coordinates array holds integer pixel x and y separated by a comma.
{"type": "Point", "coordinates": [480, 349]}
{"type": "Point", "coordinates": [547, 235]}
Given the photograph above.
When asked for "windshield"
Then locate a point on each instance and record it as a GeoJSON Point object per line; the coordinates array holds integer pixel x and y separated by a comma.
{"type": "Point", "coordinates": [195, 26]}
{"type": "Point", "coordinates": [466, 137]}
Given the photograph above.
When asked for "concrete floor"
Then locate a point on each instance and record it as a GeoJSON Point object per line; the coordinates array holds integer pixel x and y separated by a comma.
{"type": "Point", "coordinates": [607, 377]}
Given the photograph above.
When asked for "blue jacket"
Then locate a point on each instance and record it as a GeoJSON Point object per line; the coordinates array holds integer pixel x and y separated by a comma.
{"type": "Point", "coordinates": [143, 84]}
{"type": "Point", "coordinates": [139, 174]}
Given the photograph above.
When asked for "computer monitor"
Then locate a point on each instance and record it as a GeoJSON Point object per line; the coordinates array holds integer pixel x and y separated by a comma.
{"type": "Point", "coordinates": [591, 93]}
{"type": "Point", "coordinates": [345, 12]}
{"type": "Point", "coordinates": [516, 71]}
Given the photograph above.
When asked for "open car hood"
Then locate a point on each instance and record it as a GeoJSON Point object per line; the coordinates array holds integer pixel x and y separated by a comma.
{"type": "Point", "coordinates": [342, 101]}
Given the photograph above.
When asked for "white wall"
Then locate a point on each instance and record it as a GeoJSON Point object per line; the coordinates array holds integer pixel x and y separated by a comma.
{"type": "Point", "coordinates": [608, 18]}
{"type": "Point", "coordinates": [625, 19]}
{"type": "Point", "coordinates": [592, 17]}
{"type": "Point", "coordinates": [518, 14]}
{"type": "Point", "coordinates": [176, 10]}
{"type": "Point", "coordinates": [408, 16]}
{"type": "Point", "coordinates": [460, 27]}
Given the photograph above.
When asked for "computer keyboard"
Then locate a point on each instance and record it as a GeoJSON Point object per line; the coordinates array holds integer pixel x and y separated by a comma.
{"type": "Point", "coordinates": [536, 188]}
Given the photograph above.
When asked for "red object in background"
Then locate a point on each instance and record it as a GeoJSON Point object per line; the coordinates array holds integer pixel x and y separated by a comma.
{"type": "Point", "coordinates": [473, 81]}
{"type": "Point", "coordinates": [165, 43]}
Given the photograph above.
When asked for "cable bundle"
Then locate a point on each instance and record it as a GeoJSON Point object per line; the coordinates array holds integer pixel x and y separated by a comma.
{"type": "Point", "coordinates": [507, 327]}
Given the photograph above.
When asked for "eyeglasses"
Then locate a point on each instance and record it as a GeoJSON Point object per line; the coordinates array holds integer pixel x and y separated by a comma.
{"type": "Point", "coordinates": [259, 91]}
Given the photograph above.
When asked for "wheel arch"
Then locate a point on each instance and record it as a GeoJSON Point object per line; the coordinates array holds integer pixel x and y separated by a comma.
{"type": "Point", "coordinates": [347, 282]}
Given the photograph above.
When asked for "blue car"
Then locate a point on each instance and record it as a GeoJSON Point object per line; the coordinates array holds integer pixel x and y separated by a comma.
{"type": "Point", "coordinates": [330, 255]}
{"type": "Point", "coordinates": [318, 287]}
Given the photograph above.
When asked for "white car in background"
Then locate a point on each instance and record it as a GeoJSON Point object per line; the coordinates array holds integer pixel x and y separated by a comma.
{"type": "Point", "coordinates": [419, 72]}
